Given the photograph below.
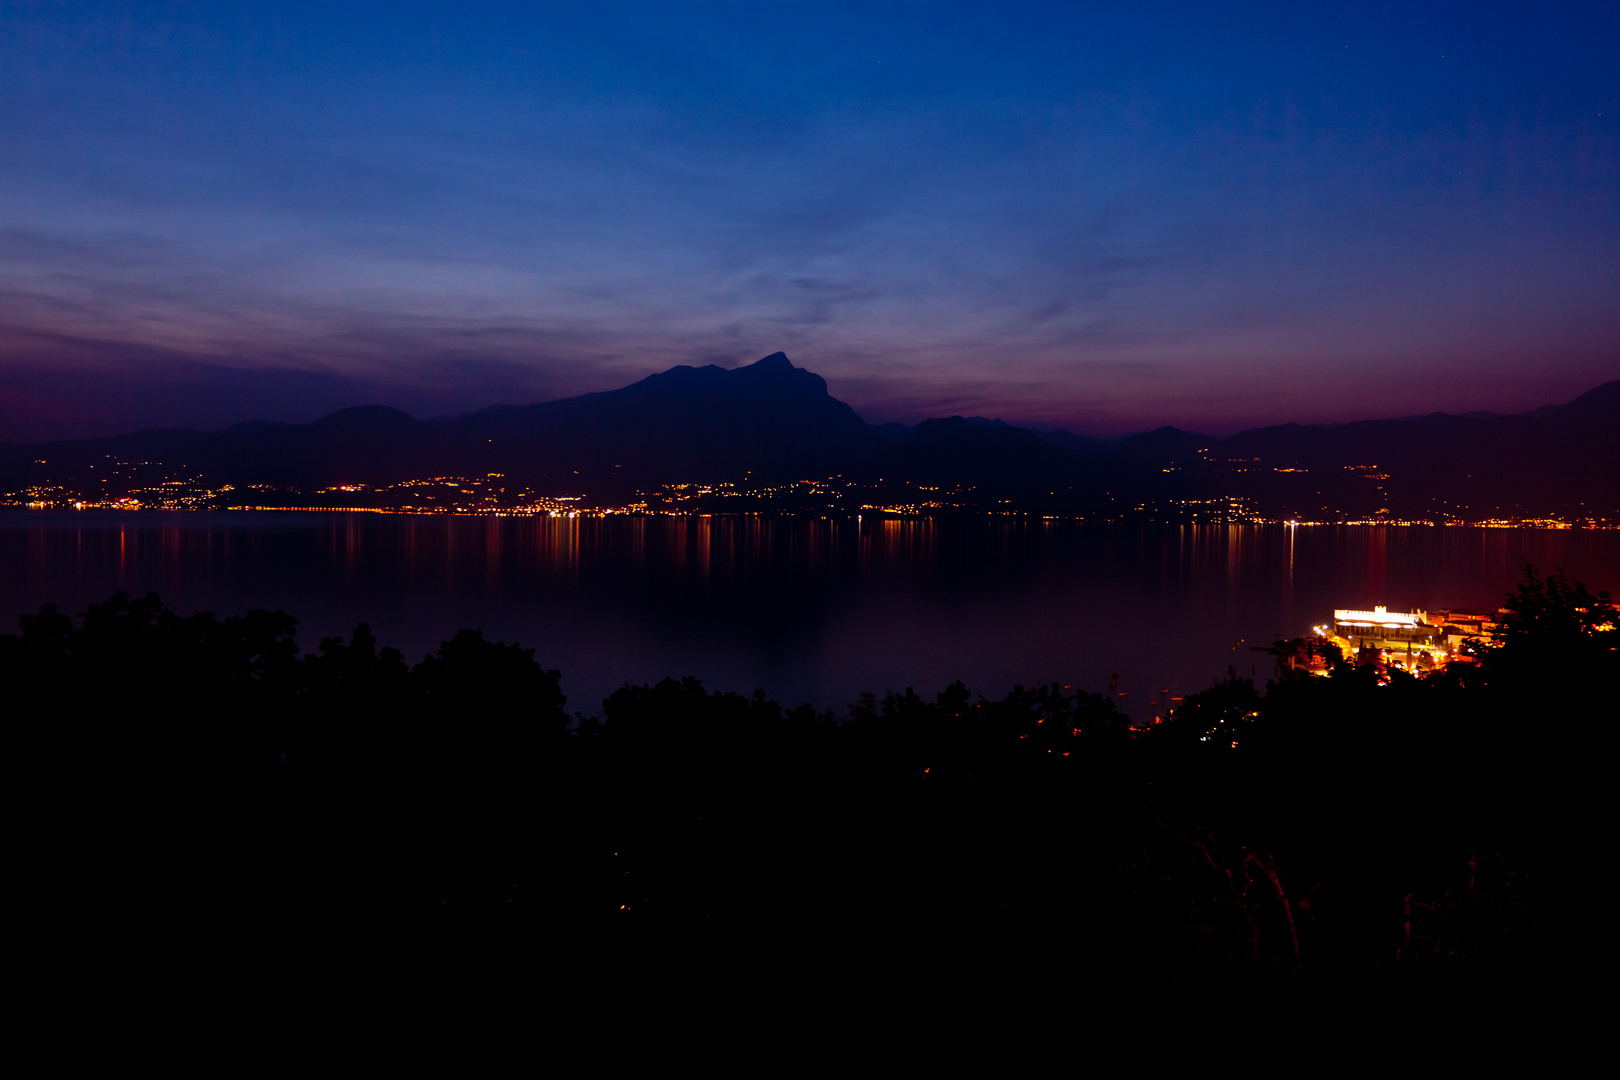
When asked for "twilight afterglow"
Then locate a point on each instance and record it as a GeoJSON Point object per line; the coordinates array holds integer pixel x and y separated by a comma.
{"type": "Point", "coordinates": [1069, 217]}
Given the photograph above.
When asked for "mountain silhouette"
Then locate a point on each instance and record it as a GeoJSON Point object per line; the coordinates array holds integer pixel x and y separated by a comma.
{"type": "Point", "coordinates": [771, 421]}
{"type": "Point", "coordinates": [1556, 459]}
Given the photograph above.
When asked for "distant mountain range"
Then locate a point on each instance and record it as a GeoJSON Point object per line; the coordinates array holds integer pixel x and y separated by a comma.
{"type": "Point", "coordinates": [771, 422]}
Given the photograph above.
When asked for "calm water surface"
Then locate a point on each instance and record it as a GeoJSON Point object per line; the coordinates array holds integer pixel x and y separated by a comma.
{"type": "Point", "coordinates": [807, 610]}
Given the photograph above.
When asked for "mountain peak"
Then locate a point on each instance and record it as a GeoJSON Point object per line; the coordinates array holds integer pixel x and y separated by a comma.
{"type": "Point", "coordinates": [777, 361]}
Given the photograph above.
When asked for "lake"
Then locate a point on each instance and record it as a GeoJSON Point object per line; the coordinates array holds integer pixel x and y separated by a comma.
{"type": "Point", "coordinates": [814, 610]}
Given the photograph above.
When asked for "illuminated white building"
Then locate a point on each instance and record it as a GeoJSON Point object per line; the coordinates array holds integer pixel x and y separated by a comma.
{"type": "Point", "coordinates": [1393, 631]}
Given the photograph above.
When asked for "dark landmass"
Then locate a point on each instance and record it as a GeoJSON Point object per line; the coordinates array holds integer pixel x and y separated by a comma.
{"type": "Point", "coordinates": [768, 437]}
{"type": "Point", "coordinates": [1369, 850]}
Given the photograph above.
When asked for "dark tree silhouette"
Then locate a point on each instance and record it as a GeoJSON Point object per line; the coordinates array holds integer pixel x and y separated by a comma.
{"type": "Point", "coordinates": [1332, 842]}
{"type": "Point", "coordinates": [1557, 637]}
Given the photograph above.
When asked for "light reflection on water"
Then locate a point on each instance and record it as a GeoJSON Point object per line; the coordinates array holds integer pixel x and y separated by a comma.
{"type": "Point", "coordinates": [806, 609]}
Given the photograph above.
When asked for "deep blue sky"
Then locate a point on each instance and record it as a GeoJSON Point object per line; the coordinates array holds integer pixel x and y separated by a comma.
{"type": "Point", "coordinates": [1204, 215]}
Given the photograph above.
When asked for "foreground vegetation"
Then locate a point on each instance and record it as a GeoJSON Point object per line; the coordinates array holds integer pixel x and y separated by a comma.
{"type": "Point", "coordinates": [1388, 847]}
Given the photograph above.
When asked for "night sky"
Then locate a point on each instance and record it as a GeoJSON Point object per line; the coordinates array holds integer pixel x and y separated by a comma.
{"type": "Point", "coordinates": [1054, 214]}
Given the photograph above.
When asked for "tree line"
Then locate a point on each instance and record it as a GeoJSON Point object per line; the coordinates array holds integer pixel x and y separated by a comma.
{"type": "Point", "coordinates": [1349, 842]}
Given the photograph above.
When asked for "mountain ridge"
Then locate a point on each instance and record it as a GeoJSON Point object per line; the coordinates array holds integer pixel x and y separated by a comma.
{"type": "Point", "coordinates": [771, 422]}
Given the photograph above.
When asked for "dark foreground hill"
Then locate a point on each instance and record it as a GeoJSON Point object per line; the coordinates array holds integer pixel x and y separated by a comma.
{"type": "Point", "coordinates": [770, 422]}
